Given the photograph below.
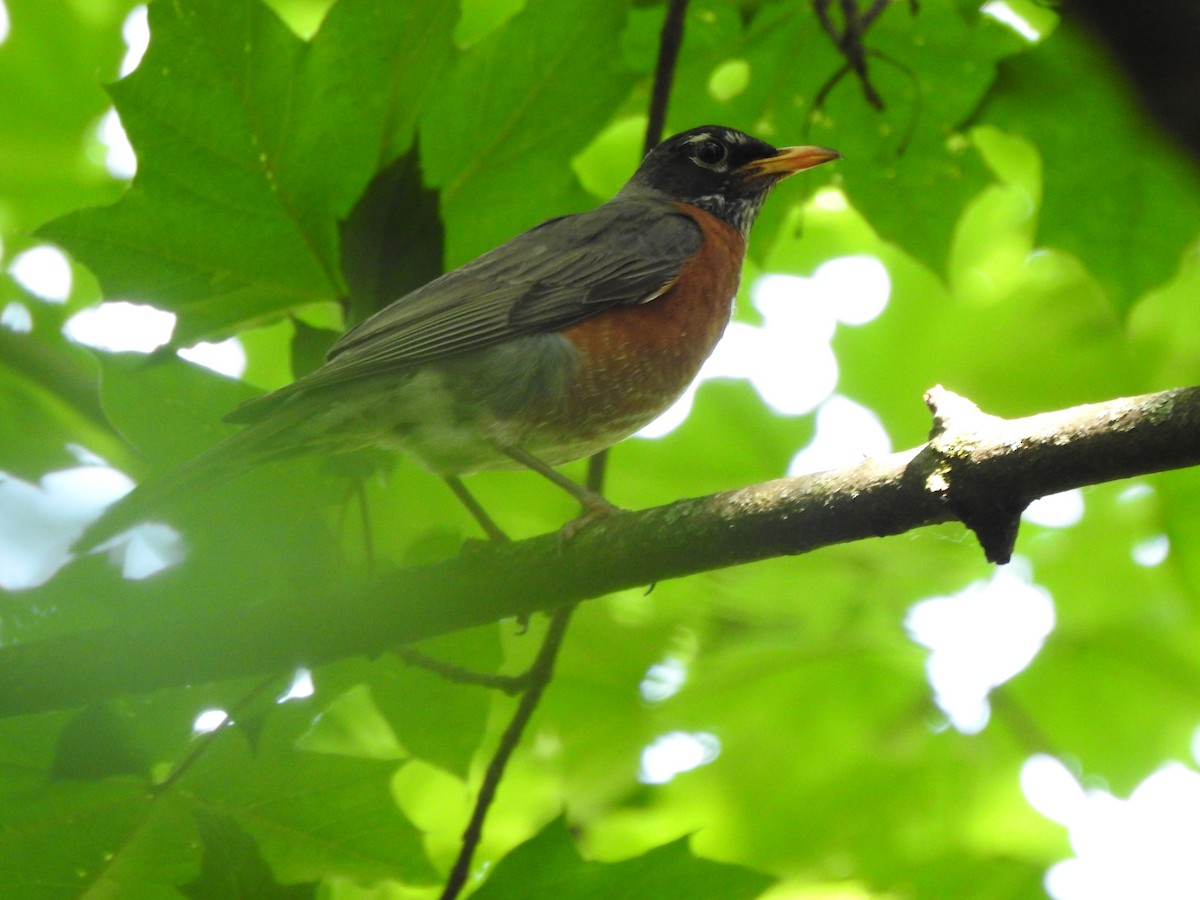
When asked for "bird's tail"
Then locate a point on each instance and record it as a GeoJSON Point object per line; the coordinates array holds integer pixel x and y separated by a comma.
{"type": "Point", "coordinates": [272, 438]}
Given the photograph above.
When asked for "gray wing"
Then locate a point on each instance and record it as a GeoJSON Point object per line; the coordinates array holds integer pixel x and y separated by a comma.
{"type": "Point", "coordinates": [555, 275]}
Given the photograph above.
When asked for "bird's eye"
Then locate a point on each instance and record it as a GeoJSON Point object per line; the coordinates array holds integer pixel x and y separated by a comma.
{"type": "Point", "coordinates": [710, 153]}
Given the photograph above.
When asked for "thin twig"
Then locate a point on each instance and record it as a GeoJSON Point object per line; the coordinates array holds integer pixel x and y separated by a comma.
{"type": "Point", "coordinates": [669, 41]}
{"type": "Point", "coordinates": [873, 13]}
{"type": "Point", "coordinates": [509, 684]}
{"type": "Point", "coordinates": [200, 747]}
{"type": "Point", "coordinates": [356, 493]}
{"type": "Point", "coordinates": [597, 469]}
{"type": "Point", "coordinates": [821, 7]}
{"type": "Point", "coordinates": [364, 512]}
{"type": "Point", "coordinates": [850, 42]}
{"type": "Point", "coordinates": [823, 93]}
{"type": "Point", "coordinates": [539, 676]}
{"type": "Point", "coordinates": [494, 532]}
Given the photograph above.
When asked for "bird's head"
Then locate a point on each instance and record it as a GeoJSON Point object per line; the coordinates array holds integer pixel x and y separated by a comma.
{"type": "Point", "coordinates": [721, 170]}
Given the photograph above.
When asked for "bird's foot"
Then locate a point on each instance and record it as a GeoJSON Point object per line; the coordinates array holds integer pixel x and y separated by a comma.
{"type": "Point", "coordinates": [595, 508]}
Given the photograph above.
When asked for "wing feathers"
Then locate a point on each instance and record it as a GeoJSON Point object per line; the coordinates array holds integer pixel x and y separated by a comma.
{"type": "Point", "coordinates": [553, 276]}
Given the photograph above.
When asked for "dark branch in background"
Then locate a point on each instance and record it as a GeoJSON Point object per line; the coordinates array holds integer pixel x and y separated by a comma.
{"type": "Point", "coordinates": [539, 675]}
{"type": "Point", "coordinates": [670, 39]}
{"type": "Point", "coordinates": [1156, 44]}
{"type": "Point", "coordinates": [851, 43]}
{"type": "Point", "coordinates": [534, 681]}
{"type": "Point", "coordinates": [978, 469]}
{"type": "Point", "coordinates": [850, 40]}
{"type": "Point", "coordinates": [531, 685]}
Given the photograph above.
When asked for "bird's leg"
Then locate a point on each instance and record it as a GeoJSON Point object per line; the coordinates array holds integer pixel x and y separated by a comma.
{"type": "Point", "coordinates": [591, 501]}
{"type": "Point", "coordinates": [486, 522]}
{"type": "Point", "coordinates": [594, 506]}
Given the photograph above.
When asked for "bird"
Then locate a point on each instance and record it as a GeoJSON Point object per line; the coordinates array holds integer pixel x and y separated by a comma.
{"type": "Point", "coordinates": [549, 348]}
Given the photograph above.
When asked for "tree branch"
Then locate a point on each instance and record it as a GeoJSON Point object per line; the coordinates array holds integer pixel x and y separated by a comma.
{"type": "Point", "coordinates": [539, 675]}
{"type": "Point", "coordinates": [669, 41]}
{"type": "Point", "coordinates": [978, 469]}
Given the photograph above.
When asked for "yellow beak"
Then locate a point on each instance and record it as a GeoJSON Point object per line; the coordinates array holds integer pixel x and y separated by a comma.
{"type": "Point", "coordinates": [790, 160]}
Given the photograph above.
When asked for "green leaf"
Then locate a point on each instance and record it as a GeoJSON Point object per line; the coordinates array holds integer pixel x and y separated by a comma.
{"type": "Point", "coordinates": [96, 744]}
{"type": "Point", "coordinates": [47, 395]}
{"type": "Point", "coordinates": [203, 224]}
{"type": "Point", "coordinates": [72, 838]}
{"type": "Point", "coordinates": [1135, 675]}
{"type": "Point", "coordinates": [436, 719]}
{"type": "Point", "coordinates": [391, 709]}
{"type": "Point", "coordinates": [1118, 195]}
{"type": "Point", "coordinates": [909, 168]}
{"type": "Point", "coordinates": [170, 410]}
{"type": "Point", "coordinates": [232, 867]}
{"type": "Point", "coordinates": [52, 59]}
{"type": "Point", "coordinates": [504, 167]}
{"type": "Point", "coordinates": [313, 815]}
{"type": "Point", "coordinates": [392, 239]}
{"type": "Point", "coordinates": [1181, 497]}
{"type": "Point", "coordinates": [167, 408]}
{"type": "Point", "coordinates": [252, 144]}
{"type": "Point", "coordinates": [550, 866]}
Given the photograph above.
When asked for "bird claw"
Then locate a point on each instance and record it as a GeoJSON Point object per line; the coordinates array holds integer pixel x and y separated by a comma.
{"type": "Point", "coordinates": [595, 509]}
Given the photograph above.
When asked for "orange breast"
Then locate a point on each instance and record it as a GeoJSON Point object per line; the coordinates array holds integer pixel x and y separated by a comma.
{"type": "Point", "coordinates": [637, 360]}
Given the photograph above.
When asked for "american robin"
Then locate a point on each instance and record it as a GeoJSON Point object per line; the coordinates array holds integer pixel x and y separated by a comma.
{"type": "Point", "coordinates": [549, 348]}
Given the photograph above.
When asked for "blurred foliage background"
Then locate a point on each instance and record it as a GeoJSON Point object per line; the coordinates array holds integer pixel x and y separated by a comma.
{"type": "Point", "coordinates": [300, 162]}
